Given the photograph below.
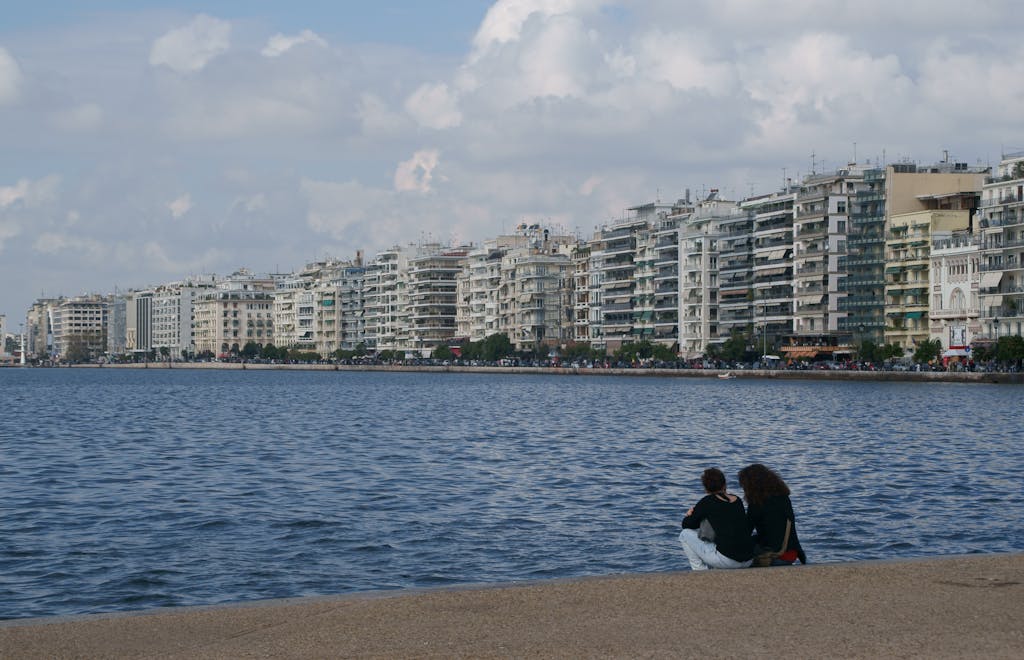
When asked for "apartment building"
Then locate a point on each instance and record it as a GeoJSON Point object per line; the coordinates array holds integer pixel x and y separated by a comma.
{"type": "Point", "coordinates": [386, 298]}
{"type": "Point", "coordinates": [239, 310]}
{"type": "Point", "coordinates": [173, 332]}
{"type": "Point", "coordinates": [535, 296]}
{"type": "Point", "coordinates": [79, 327]}
{"type": "Point", "coordinates": [39, 327]}
{"type": "Point", "coordinates": [907, 274]}
{"type": "Point", "coordinates": [820, 230]}
{"type": "Point", "coordinates": [954, 278]}
{"type": "Point", "coordinates": [895, 189]}
{"type": "Point", "coordinates": [699, 299]}
{"type": "Point", "coordinates": [665, 235]}
{"type": "Point", "coordinates": [771, 272]}
{"type": "Point", "coordinates": [580, 257]}
{"type": "Point", "coordinates": [735, 262]}
{"type": "Point", "coordinates": [432, 299]}
{"type": "Point", "coordinates": [1001, 222]}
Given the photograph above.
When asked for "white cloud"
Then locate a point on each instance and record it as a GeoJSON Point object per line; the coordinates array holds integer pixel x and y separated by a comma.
{"type": "Point", "coordinates": [10, 78]}
{"type": "Point", "coordinates": [8, 230]}
{"type": "Point", "coordinates": [30, 193]}
{"type": "Point", "coordinates": [56, 243]}
{"type": "Point", "coordinates": [251, 203]}
{"type": "Point", "coordinates": [377, 118]}
{"type": "Point", "coordinates": [416, 173]}
{"type": "Point", "coordinates": [83, 117]}
{"type": "Point", "coordinates": [434, 106]}
{"type": "Point", "coordinates": [190, 48]}
{"type": "Point", "coordinates": [279, 44]}
{"type": "Point", "coordinates": [180, 206]}
{"type": "Point", "coordinates": [505, 19]}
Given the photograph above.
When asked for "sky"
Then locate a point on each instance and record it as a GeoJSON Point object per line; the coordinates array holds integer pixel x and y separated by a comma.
{"type": "Point", "coordinates": [141, 142]}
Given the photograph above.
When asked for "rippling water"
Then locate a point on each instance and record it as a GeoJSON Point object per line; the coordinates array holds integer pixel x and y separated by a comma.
{"type": "Point", "coordinates": [127, 489]}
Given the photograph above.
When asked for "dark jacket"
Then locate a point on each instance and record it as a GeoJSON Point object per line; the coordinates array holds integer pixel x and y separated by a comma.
{"type": "Point", "coordinates": [732, 535]}
{"type": "Point", "coordinates": [768, 523]}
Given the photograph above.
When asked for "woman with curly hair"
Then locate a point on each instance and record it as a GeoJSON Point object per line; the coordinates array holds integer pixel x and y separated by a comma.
{"type": "Point", "coordinates": [731, 546]}
{"type": "Point", "coordinates": [770, 516]}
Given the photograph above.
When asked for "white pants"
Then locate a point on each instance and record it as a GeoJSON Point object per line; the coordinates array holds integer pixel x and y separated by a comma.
{"type": "Point", "coordinates": [704, 555]}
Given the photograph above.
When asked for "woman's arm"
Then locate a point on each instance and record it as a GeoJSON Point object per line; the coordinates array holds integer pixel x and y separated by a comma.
{"type": "Point", "coordinates": [697, 513]}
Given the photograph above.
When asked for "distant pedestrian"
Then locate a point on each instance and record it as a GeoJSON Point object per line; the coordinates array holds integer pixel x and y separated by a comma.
{"type": "Point", "coordinates": [770, 516]}
{"type": "Point", "coordinates": [732, 545]}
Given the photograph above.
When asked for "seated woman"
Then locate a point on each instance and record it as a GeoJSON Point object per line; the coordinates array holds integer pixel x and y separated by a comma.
{"type": "Point", "coordinates": [770, 516]}
{"type": "Point", "coordinates": [732, 546]}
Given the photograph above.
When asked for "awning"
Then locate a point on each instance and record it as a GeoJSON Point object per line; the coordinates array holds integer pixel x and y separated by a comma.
{"type": "Point", "coordinates": [770, 271]}
{"type": "Point", "coordinates": [800, 351]}
{"type": "Point", "coordinates": [811, 300]}
{"type": "Point", "coordinates": [993, 301]}
{"type": "Point", "coordinates": [990, 280]}
{"type": "Point", "coordinates": [913, 315]}
{"type": "Point", "coordinates": [776, 254]}
{"type": "Point", "coordinates": [893, 269]}
{"type": "Point", "coordinates": [955, 352]}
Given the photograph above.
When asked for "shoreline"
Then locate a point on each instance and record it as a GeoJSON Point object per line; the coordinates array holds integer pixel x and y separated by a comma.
{"type": "Point", "coordinates": [1005, 378]}
{"type": "Point", "coordinates": [956, 606]}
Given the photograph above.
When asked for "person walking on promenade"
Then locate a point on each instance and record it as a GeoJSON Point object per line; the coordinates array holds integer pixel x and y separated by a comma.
{"type": "Point", "coordinates": [732, 546]}
{"type": "Point", "coordinates": [770, 517]}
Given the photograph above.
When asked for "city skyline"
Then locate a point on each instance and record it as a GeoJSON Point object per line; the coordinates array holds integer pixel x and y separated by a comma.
{"type": "Point", "coordinates": [146, 142]}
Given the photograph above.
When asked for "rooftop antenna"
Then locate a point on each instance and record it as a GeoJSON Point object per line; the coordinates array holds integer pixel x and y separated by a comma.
{"type": "Point", "coordinates": [812, 164]}
{"type": "Point", "coordinates": [854, 152]}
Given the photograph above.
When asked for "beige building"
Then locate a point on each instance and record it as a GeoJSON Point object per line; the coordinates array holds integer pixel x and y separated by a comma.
{"type": "Point", "coordinates": [238, 311]}
{"type": "Point", "coordinates": [432, 299]}
{"type": "Point", "coordinates": [535, 297]}
{"type": "Point", "coordinates": [907, 286]}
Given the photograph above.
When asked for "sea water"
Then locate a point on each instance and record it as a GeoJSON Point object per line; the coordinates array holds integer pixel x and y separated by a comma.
{"type": "Point", "coordinates": [133, 489]}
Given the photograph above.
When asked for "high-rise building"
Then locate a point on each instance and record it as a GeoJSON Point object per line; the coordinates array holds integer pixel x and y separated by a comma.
{"type": "Point", "coordinates": [771, 277]}
{"type": "Point", "coordinates": [1002, 249]}
{"type": "Point", "coordinates": [223, 314]}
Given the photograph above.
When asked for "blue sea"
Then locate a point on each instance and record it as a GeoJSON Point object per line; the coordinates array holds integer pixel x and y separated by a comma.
{"type": "Point", "coordinates": [134, 489]}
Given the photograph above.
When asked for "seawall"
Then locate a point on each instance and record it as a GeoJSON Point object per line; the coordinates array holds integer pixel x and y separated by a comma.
{"type": "Point", "coordinates": [953, 607]}
{"type": "Point", "coordinates": [776, 374]}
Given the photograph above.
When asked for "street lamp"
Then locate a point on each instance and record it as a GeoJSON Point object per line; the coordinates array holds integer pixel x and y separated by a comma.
{"type": "Point", "coordinates": [995, 328]}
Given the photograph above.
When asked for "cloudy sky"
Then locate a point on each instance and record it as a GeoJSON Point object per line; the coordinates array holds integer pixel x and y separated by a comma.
{"type": "Point", "coordinates": [143, 141]}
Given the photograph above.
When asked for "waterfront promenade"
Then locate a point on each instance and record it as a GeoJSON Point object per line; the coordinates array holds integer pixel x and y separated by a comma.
{"type": "Point", "coordinates": [778, 374]}
{"type": "Point", "coordinates": [966, 606]}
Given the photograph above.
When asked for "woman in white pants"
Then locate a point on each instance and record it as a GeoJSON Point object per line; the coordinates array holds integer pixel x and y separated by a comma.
{"type": "Point", "coordinates": [732, 546]}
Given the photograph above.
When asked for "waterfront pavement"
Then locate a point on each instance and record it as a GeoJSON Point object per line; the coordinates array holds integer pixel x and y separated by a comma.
{"type": "Point", "coordinates": [966, 606]}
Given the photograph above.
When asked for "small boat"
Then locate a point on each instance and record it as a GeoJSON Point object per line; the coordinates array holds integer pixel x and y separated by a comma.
{"type": "Point", "coordinates": [726, 376]}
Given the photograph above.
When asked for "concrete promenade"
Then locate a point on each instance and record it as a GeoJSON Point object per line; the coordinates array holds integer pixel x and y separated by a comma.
{"type": "Point", "coordinates": [954, 607]}
{"type": "Point", "coordinates": [777, 374]}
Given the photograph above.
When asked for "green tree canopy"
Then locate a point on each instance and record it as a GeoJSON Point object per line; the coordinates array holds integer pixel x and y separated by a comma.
{"type": "Point", "coordinates": [250, 350]}
{"type": "Point", "coordinates": [928, 351]}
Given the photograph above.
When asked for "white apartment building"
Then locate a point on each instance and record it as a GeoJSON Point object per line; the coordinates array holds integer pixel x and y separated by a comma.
{"type": "Point", "coordinates": [1001, 221]}
{"type": "Point", "coordinates": [665, 235]}
{"type": "Point", "coordinates": [229, 316]}
{"type": "Point", "coordinates": [338, 307]}
{"type": "Point", "coordinates": [823, 208]}
{"type": "Point", "coordinates": [771, 278]}
{"type": "Point", "coordinates": [735, 260]}
{"type": "Point", "coordinates": [954, 279]}
{"type": "Point", "coordinates": [173, 318]}
{"type": "Point", "coordinates": [432, 299]}
{"type": "Point", "coordinates": [80, 327]}
{"type": "Point", "coordinates": [698, 274]}
{"type": "Point", "coordinates": [386, 299]}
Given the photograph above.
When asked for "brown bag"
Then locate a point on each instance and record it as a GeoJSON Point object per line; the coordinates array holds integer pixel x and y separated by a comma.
{"type": "Point", "coordinates": [766, 558]}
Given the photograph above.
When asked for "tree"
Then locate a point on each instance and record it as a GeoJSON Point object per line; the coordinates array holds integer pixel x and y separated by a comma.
{"type": "Point", "coordinates": [1010, 350]}
{"type": "Point", "coordinates": [165, 352]}
{"type": "Point", "coordinates": [360, 350]}
{"type": "Point", "coordinates": [250, 350]}
{"type": "Point", "coordinates": [269, 352]}
{"type": "Point", "coordinates": [496, 347]}
{"type": "Point", "coordinates": [442, 352]}
{"type": "Point", "coordinates": [928, 351]}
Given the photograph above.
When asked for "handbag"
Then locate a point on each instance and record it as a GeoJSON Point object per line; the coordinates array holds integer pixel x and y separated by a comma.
{"type": "Point", "coordinates": [766, 557]}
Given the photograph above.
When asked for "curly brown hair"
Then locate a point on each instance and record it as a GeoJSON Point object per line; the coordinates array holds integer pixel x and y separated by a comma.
{"type": "Point", "coordinates": [760, 482]}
